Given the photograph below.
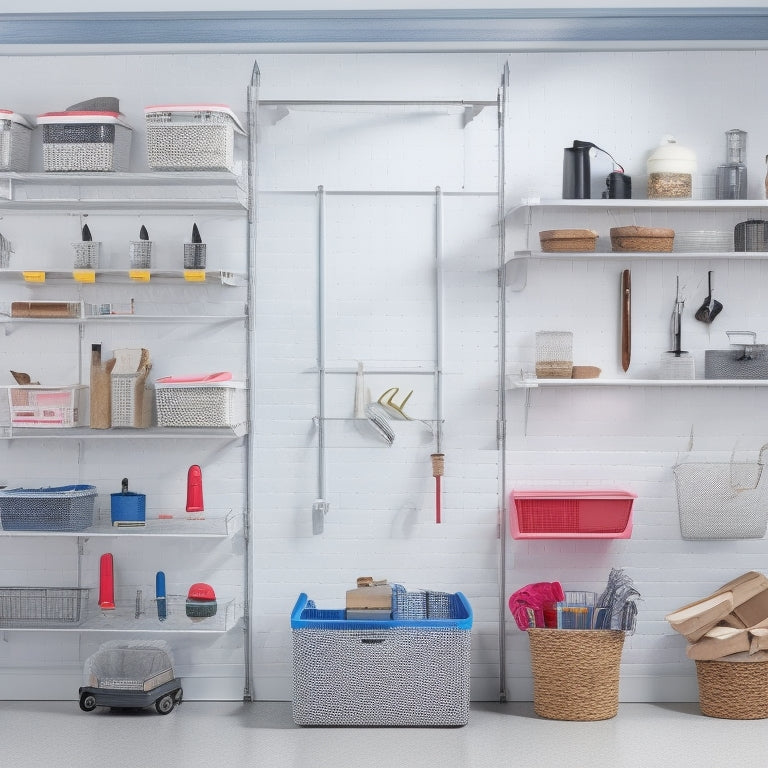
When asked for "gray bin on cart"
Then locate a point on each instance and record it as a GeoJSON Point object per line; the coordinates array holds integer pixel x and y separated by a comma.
{"type": "Point", "coordinates": [403, 672]}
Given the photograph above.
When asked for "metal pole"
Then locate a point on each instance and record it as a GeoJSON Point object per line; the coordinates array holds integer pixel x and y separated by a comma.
{"type": "Point", "coordinates": [321, 474]}
{"type": "Point", "coordinates": [501, 408]}
{"type": "Point", "coordinates": [250, 442]}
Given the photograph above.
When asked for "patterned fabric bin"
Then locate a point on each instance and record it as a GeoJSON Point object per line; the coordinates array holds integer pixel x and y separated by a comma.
{"type": "Point", "coordinates": [403, 672]}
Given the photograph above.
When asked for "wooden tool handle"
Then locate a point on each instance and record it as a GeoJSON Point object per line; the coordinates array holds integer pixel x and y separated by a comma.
{"type": "Point", "coordinates": [626, 321]}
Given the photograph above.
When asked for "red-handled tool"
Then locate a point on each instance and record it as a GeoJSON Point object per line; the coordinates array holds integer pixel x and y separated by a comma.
{"type": "Point", "coordinates": [195, 489]}
{"type": "Point", "coordinates": [106, 582]}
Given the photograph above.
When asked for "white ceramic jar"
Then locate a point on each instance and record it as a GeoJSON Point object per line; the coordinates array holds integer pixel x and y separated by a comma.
{"type": "Point", "coordinates": [670, 170]}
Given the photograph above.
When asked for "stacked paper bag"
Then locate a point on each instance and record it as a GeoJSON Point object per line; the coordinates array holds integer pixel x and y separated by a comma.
{"type": "Point", "coordinates": [731, 621]}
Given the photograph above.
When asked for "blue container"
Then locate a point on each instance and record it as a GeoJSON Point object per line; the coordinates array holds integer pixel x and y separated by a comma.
{"type": "Point", "coordinates": [411, 671]}
{"type": "Point", "coordinates": [63, 508]}
{"type": "Point", "coordinates": [128, 508]}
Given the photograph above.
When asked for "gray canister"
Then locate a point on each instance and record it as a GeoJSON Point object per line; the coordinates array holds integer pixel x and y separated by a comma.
{"type": "Point", "coordinates": [750, 236]}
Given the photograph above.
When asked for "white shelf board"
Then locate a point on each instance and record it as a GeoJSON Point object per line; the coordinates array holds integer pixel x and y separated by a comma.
{"type": "Point", "coordinates": [678, 203]}
{"type": "Point", "coordinates": [180, 526]}
{"type": "Point", "coordinates": [513, 381]}
{"type": "Point", "coordinates": [151, 191]}
{"type": "Point", "coordinates": [123, 619]}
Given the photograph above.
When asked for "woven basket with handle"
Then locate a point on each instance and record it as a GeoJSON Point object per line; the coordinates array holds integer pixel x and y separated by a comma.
{"type": "Point", "coordinates": [576, 673]}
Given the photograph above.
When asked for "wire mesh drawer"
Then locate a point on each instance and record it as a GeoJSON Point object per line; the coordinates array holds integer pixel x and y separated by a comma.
{"type": "Point", "coordinates": [222, 404]}
{"type": "Point", "coordinates": [64, 508]}
{"type": "Point", "coordinates": [42, 606]}
{"type": "Point", "coordinates": [191, 137]}
{"type": "Point", "coordinates": [381, 673]}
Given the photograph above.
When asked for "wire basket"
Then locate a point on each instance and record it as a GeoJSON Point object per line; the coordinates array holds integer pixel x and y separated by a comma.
{"type": "Point", "coordinates": [42, 606]}
{"type": "Point", "coordinates": [722, 500]}
{"type": "Point", "coordinates": [576, 673]}
{"type": "Point", "coordinates": [63, 508]}
{"type": "Point", "coordinates": [39, 407]}
{"type": "Point", "coordinates": [189, 139]}
{"type": "Point", "coordinates": [131, 400]}
{"type": "Point", "coordinates": [15, 139]}
{"type": "Point", "coordinates": [734, 690]}
{"type": "Point", "coordinates": [222, 404]}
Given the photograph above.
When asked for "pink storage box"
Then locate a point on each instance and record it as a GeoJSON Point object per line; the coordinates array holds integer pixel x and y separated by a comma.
{"type": "Point", "coordinates": [571, 514]}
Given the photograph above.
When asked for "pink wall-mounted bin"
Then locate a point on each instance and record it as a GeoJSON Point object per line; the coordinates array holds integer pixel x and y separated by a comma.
{"type": "Point", "coordinates": [571, 514]}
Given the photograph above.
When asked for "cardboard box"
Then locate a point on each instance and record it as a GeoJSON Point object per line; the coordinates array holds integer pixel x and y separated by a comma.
{"type": "Point", "coordinates": [377, 597]}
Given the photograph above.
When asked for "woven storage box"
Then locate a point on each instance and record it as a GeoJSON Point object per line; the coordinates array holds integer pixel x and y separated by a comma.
{"type": "Point", "coordinates": [15, 137]}
{"type": "Point", "coordinates": [554, 240]}
{"type": "Point", "coordinates": [576, 673]}
{"type": "Point", "coordinates": [722, 500]}
{"type": "Point", "coordinates": [42, 606]}
{"type": "Point", "coordinates": [404, 672]}
{"type": "Point", "coordinates": [45, 407]}
{"type": "Point", "coordinates": [642, 239]}
{"type": "Point", "coordinates": [64, 508]}
{"type": "Point", "coordinates": [219, 404]}
{"type": "Point", "coordinates": [85, 141]}
{"type": "Point", "coordinates": [191, 137]}
{"type": "Point", "coordinates": [734, 690]}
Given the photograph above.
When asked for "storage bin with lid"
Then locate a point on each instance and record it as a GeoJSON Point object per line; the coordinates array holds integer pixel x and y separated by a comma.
{"type": "Point", "coordinates": [15, 136]}
{"type": "Point", "coordinates": [81, 140]}
{"type": "Point", "coordinates": [670, 170]}
{"type": "Point", "coordinates": [191, 137]}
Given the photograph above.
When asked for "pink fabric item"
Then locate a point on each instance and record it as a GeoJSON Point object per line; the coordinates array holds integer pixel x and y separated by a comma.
{"type": "Point", "coordinates": [532, 598]}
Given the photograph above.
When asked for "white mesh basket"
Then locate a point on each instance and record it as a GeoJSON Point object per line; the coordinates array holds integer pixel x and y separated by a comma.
{"type": "Point", "coordinates": [220, 404]}
{"type": "Point", "coordinates": [190, 138]}
{"type": "Point", "coordinates": [15, 137]}
{"type": "Point", "coordinates": [722, 500]}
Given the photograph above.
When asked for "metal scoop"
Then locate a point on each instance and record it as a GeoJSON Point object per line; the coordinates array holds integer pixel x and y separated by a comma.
{"type": "Point", "coordinates": [711, 308]}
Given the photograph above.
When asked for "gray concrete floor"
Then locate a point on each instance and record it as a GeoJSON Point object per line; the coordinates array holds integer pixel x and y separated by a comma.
{"type": "Point", "coordinates": [214, 734]}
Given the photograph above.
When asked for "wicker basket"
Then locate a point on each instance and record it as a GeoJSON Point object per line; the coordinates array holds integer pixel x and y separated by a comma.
{"type": "Point", "coordinates": [733, 690]}
{"type": "Point", "coordinates": [576, 673]}
{"type": "Point", "coordinates": [642, 239]}
{"type": "Point", "coordinates": [555, 240]}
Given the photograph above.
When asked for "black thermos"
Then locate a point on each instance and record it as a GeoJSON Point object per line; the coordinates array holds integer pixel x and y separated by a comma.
{"type": "Point", "coordinates": [576, 171]}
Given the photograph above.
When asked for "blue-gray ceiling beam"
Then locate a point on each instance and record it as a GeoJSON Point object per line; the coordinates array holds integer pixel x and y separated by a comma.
{"type": "Point", "coordinates": [516, 27]}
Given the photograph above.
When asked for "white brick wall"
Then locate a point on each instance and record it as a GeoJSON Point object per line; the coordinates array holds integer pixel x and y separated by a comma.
{"type": "Point", "coordinates": [379, 259]}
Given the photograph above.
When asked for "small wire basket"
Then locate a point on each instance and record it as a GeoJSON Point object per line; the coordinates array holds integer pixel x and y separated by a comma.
{"type": "Point", "coordinates": [722, 500]}
{"type": "Point", "coordinates": [42, 606]}
{"type": "Point", "coordinates": [87, 254]}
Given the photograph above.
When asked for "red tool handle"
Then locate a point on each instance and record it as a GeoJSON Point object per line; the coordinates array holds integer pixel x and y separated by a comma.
{"type": "Point", "coordinates": [106, 583]}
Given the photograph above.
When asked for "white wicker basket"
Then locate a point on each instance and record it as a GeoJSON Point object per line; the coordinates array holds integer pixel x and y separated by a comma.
{"type": "Point", "coordinates": [15, 137]}
{"type": "Point", "coordinates": [197, 404]}
{"type": "Point", "coordinates": [85, 141]}
{"type": "Point", "coordinates": [197, 137]}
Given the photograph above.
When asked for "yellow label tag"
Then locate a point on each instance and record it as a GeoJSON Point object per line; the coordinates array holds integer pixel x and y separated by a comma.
{"type": "Point", "coordinates": [194, 275]}
{"type": "Point", "coordinates": [140, 275]}
{"type": "Point", "coordinates": [34, 277]}
{"type": "Point", "coordinates": [84, 275]}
